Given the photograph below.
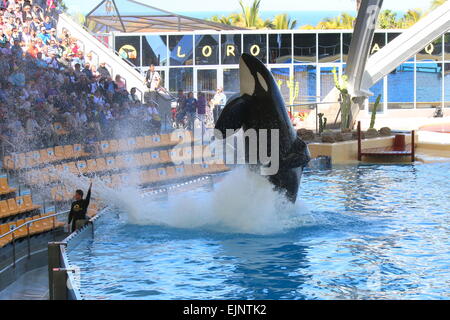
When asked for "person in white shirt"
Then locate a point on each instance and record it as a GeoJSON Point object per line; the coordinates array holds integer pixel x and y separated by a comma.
{"type": "Point", "coordinates": [219, 101]}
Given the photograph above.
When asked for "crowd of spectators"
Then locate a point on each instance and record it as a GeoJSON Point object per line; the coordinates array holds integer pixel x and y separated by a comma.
{"type": "Point", "coordinates": [46, 79]}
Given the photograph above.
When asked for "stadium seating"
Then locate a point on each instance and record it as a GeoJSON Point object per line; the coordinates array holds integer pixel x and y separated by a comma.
{"type": "Point", "coordinates": [5, 188]}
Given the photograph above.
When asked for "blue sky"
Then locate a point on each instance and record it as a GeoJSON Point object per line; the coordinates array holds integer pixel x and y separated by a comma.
{"type": "Point", "coordinates": [85, 6]}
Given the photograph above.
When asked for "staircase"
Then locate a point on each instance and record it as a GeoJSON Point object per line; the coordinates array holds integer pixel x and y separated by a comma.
{"type": "Point", "coordinates": [117, 66]}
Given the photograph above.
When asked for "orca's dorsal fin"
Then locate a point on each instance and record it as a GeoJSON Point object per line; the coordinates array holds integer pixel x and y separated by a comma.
{"type": "Point", "coordinates": [233, 115]}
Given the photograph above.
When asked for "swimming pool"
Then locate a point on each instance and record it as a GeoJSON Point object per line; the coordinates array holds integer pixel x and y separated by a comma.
{"type": "Point", "coordinates": [373, 232]}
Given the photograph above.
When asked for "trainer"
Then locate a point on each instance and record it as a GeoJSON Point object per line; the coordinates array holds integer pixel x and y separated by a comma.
{"type": "Point", "coordinates": [78, 210]}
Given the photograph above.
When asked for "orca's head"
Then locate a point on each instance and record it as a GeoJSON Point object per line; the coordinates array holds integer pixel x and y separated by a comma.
{"type": "Point", "coordinates": [255, 79]}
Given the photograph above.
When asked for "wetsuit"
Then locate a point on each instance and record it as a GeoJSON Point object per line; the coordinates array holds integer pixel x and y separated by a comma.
{"type": "Point", "coordinates": [78, 210]}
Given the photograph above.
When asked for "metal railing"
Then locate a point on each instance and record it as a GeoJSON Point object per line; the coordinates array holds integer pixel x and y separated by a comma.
{"type": "Point", "coordinates": [61, 274]}
{"type": "Point", "coordinates": [28, 225]}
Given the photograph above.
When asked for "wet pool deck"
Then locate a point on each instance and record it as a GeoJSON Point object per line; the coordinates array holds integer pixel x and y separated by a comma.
{"type": "Point", "coordinates": [32, 285]}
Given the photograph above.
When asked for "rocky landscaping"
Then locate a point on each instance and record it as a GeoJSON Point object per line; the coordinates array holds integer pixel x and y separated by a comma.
{"type": "Point", "coordinates": [331, 136]}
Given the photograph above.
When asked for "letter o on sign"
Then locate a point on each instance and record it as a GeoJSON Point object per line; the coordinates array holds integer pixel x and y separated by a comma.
{"type": "Point", "coordinates": [255, 50]}
{"type": "Point", "coordinates": [207, 51]}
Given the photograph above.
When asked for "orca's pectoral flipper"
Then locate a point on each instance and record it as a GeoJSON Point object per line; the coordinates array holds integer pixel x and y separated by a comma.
{"type": "Point", "coordinates": [298, 156]}
{"type": "Point", "coordinates": [233, 115]}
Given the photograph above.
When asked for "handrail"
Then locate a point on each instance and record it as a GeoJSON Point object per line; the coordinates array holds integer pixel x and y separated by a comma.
{"type": "Point", "coordinates": [33, 221]}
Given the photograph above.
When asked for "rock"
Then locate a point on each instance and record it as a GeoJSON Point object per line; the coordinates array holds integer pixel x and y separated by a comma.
{"type": "Point", "coordinates": [371, 133]}
{"type": "Point", "coordinates": [328, 138]}
{"type": "Point", "coordinates": [385, 132]}
{"type": "Point", "coordinates": [347, 136]}
{"type": "Point", "coordinates": [339, 137]}
{"type": "Point", "coordinates": [306, 135]}
{"type": "Point", "coordinates": [355, 135]}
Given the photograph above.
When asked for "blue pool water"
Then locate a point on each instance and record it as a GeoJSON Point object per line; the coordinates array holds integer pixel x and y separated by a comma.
{"type": "Point", "coordinates": [374, 232]}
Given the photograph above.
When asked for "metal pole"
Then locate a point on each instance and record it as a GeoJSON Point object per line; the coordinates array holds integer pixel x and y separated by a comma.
{"type": "Point", "coordinates": [54, 261]}
{"type": "Point", "coordinates": [413, 147]}
{"type": "Point", "coordinates": [28, 241]}
{"type": "Point", "coordinates": [14, 250]}
{"type": "Point", "coordinates": [59, 284]}
{"type": "Point", "coordinates": [359, 141]}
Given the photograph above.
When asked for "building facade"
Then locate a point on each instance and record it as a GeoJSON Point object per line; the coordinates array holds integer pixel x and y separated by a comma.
{"type": "Point", "coordinates": [302, 62]}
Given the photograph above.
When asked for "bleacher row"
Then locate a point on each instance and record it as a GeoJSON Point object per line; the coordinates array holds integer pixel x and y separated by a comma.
{"type": "Point", "coordinates": [148, 177]}
{"type": "Point", "coordinates": [62, 153]}
{"type": "Point", "coordinates": [110, 164]}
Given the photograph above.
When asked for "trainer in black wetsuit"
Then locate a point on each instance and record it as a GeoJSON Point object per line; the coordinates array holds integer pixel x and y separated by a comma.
{"type": "Point", "coordinates": [79, 208]}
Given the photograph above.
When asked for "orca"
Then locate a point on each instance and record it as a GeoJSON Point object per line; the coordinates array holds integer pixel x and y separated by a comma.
{"type": "Point", "coordinates": [260, 105]}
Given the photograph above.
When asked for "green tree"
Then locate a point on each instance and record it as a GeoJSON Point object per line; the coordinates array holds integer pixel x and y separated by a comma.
{"type": "Point", "coordinates": [283, 22]}
{"type": "Point", "coordinates": [411, 17]}
{"type": "Point", "coordinates": [388, 20]}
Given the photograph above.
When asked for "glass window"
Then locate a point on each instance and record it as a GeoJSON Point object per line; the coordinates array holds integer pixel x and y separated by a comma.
{"type": "Point", "coordinates": [432, 52]}
{"type": "Point", "coordinates": [391, 36]}
{"type": "Point", "coordinates": [329, 47]}
{"type": "Point", "coordinates": [346, 43]}
{"type": "Point", "coordinates": [305, 77]}
{"type": "Point", "coordinates": [231, 83]}
{"type": "Point", "coordinates": [305, 48]}
{"type": "Point", "coordinates": [401, 87]}
{"type": "Point", "coordinates": [207, 82]}
{"type": "Point", "coordinates": [231, 48]}
{"type": "Point", "coordinates": [447, 85]}
{"type": "Point", "coordinates": [256, 45]}
{"type": "Point", "coordinates": [377, 89]}
{"type": "Point", "coordinates": [287, 85]}
{"type": "Point", "coordinates": [181, 50]}
{"type": "Point", "coordinates": [154, 51]}
{"type": "Point", "coordinates": [327, 81]}
{"type": "Point", "coordinates": [129, 47]}
{"type": "Point", "coordinates": [428, 85]}
{"type": "Point", "coordinates": [181, 79]}
{"type": "Point", "coordinates": [379, 41]}
{"type": "Point", "coordinates": [280, 48]}
{"type": "Point", "coordinates": [207, 49]}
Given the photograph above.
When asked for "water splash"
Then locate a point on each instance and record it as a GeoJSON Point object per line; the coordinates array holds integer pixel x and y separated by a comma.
{"type": "Point", "coordinates": [243, 202]}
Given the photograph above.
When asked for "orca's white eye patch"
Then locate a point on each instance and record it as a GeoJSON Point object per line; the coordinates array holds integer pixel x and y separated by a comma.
{"type": "Point", "coordinates": [262, 82]}
{"type": "Point", "coordinates": [248, 82]}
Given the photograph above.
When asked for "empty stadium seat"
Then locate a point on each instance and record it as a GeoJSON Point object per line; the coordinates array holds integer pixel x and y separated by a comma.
{"type": "Point", "coordinates": [68, 152]}
{"type": "Point", "coordinates": [12, 206]}
{"type": "Point", "coordinates": [120, 162]}
{"type": "Point", "coordinates": [140, 143]}
{"type": "Point", "coordinates": [4, 209]}
{"type": "Point", "coordinates": [152, 176]}
{"type": "Point", "coordinates": [29, 205]}
{"type": "Point", "coordinates": [104, 146]}
{"type": "Point", "coordinates": [147, 158]}
{"type": "Point", "coordinates": [59, 153]}
{"type": "Point", "coordinates": [82, 167]}
{"type": "Point", "coordinates": [4, 229]}
{"type": "Point", "coordinates": [4, 187]}
{"type": "Point", "coordinates": [59, 129]}
{"type": "Point", "coordinates": [113, 146]}
{"type": "Point", "coordinates": [78, 151]}
{"type": "Point", "coordinates": [92, 165]}
{"type": "Point", "coordinates": [33, 158]}
{"type": "Point", "coordinates": [101, 164]}
{"type": "Point", "coordinates": [111, 163]}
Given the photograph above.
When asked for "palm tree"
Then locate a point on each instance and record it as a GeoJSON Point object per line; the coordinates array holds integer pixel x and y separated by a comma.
{"type": "Point", "coordinates": [344, 21]}
{"type": "Point", "coordinates": [283, 22]}
{"type": "Point", "coordinates": [388, 20]}
{"type": "Point", "coordinates": [250, 16]}
{"type": "Point", "coordinates": [411, 17]}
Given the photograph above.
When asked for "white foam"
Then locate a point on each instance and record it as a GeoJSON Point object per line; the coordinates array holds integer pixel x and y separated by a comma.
{"type": "Point", "coordinates": [243, 202]}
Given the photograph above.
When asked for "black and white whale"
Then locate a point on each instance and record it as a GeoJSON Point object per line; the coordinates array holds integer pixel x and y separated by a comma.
{"type": "Point", "coordinates": [261, 106]}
